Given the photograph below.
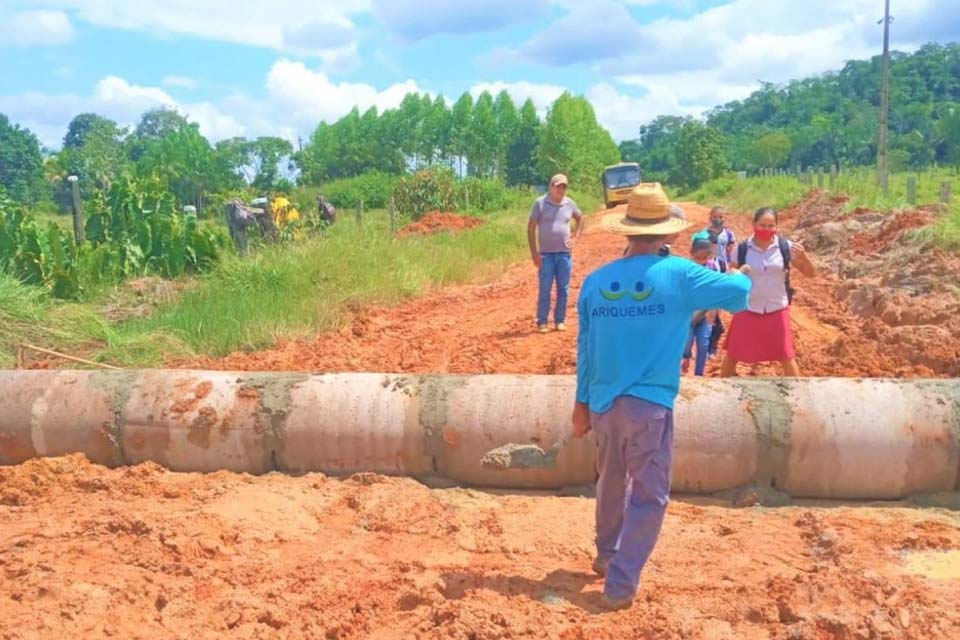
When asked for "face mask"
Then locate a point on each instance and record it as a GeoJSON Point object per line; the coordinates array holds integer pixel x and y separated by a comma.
{"type": "Point", "coordinates": [716, 223]}
{"type": "Point", "coordinates": [764, 235]}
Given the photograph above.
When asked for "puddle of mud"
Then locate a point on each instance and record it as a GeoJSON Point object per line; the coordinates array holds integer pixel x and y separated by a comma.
{"type": "Point", "coordinates": [939, 565]}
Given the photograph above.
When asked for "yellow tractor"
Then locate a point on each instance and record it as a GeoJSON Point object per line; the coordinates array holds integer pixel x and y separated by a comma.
{"type": "Point", "coordinates": [618, 181]}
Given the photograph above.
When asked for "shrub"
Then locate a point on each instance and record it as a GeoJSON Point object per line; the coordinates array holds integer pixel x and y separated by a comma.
{"type": "Point", "coordinates": [490, 195]}
{"type": "Point", "coordinates": [373, 187]}
{"type": "Point", "coordinates": [427, 190]}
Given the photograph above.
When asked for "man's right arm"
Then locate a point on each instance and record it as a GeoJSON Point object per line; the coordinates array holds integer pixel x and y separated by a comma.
{"type": "Point", "coordinates": [532, 223]}
{"type": "Point", "coordinates": [532, 242]}
{"type": "Point", "coordinates": [714, 290]}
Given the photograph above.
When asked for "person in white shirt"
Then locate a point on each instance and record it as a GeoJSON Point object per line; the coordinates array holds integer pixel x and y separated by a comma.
{"type": "Point", "coordinates": [763, 332]}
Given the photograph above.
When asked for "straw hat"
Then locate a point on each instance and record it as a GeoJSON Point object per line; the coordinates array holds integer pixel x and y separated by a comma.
{"type": "Point", "coordinates": [648, 214]}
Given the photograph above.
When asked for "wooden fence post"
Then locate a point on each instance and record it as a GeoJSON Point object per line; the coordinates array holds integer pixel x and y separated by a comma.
{"type": "Point", "coordinates": [944, 193]}
{"type": "Point", "coordinates": [359, 213]}
{"type": "Point", "coordinates": [77, 210]}
{"type": "Point", "coordinates": [820, 177]}
{"type": "Point", "coordinates": [393, 215]}
{"type": "Point", "coordinates": [912, 190]}
{"type": "Point", "coordinates": [833, 176]}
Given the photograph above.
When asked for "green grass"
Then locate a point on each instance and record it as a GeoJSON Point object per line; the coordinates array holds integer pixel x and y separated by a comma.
{"type": "Point", "coordinates": [28, 315]}
{"type": "Point", "coordinates": [296, 290]}
{"type": "Point", "coordinates": [289, 291]}
{"type": "Point", "coordinates": [749, 194]}
{"type": "Point", "coordinates": [746, 195]}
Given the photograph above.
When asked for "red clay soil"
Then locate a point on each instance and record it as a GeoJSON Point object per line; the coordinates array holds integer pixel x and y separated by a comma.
{"type": "Point", "coordinates": [436, 221]}
{"type": "Point", "coordinates": [880, 306]}
{"type": "Point", "coordinates": [139, 552]}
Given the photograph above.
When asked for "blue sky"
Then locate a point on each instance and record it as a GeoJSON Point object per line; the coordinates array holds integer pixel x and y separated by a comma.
{"type": "Point", "coordinates": [250, 67]}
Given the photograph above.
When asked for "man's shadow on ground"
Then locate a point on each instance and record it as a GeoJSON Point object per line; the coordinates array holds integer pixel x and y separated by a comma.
{"type": "Point", "coordinates": [557, 588]}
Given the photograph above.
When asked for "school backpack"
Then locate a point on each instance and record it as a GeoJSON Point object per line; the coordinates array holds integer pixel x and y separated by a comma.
{"type": "Point", "coordinates": [784, 253]}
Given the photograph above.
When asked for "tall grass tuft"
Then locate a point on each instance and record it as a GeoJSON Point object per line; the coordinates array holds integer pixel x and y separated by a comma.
{"type": "Point", "coordinates": [295, 290]}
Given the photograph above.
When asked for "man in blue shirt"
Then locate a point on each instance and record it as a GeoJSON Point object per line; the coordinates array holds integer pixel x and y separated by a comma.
{"type": "Point", "coordinates": [634, 319]}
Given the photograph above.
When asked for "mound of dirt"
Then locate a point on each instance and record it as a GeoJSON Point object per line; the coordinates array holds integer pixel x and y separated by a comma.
{"type": "Point", "coordinates": [437, 221]}
{"type": "Point", "coordinates": [139, 552]}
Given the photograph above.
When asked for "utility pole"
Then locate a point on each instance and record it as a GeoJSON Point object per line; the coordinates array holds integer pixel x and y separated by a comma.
{"type": "Point", "coordinates": [882, 170]}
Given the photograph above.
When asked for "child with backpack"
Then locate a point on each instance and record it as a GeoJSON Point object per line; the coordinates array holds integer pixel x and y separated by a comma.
{"type": "Point", "coordinates": [763, 332]}
{"type": "Point", "coordinates": [722, 236]}
{"type": "Point", "coordinates": [702, 325]}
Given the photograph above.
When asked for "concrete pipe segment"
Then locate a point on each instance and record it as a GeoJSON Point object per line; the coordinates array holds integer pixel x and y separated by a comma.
{"type": "Point", "coordinates": [824, 438]}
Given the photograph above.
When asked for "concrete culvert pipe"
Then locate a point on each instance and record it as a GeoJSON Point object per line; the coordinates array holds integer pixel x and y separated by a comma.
{"type": "Point", "coordinates": [826, 438]}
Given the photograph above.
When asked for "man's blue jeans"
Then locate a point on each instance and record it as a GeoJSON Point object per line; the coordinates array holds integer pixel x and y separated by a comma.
{"type": "Point", "coordinates": [554, 267]}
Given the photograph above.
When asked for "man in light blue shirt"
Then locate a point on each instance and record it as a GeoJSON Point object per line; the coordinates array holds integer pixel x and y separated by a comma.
{"type": "Point", "coordinates": [634, 319]}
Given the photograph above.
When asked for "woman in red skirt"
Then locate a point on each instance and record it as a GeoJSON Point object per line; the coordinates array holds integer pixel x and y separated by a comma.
{"type": "Point", "coordinates": [762, 333]}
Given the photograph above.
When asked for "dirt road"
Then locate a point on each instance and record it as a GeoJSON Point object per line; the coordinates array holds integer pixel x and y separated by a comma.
{"type": "Point", "coordinates": [846, 322]}
{"type": "Point", "coordinates": [87, 552]}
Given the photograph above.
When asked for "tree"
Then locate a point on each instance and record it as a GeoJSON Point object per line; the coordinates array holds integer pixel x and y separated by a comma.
{"type": "Point", "coordinates": [482, 138]}
{"type": "Point", "coordinates": [700, 155]}
{"type": "Point", "coordinates": [521, 153]}
{"type": "Point", "coordinates": [233, 155]}
{"type": "Point", "coordinates": [153, 125]}
{"type": "Point", "coordinates": [93, 150]}
{"type": "Point", "coordinates": [460, 119]}
{"type": "Point", "coordinates": [655, 148]}
{"type": "Point", "coordinates": [948, 134]}
{"type": "Point", "coordinates": [21, 167]}
{"type": "Point", "coordinates": [408, 125]}
{"type": "Point", "coordinates": [266, 155]}
{"type": "Point", "coordinates": [505, 113]}
{"type": "Point", "coordinates": [185, 161]}
{"type": "Point", "coordinates": [82, 125]}
{"type": "Point", "coordinates": [574, 143]}
{"type": "Point", "coordinates": [772, 150]}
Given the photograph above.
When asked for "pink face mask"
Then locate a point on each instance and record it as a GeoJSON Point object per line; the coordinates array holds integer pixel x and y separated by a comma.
{"type": "Point", "coordinates": [764, 235]}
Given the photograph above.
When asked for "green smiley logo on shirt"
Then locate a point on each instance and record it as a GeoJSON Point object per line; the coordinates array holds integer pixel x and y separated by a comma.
{"type": "Point", "coordinates": [616, 292]}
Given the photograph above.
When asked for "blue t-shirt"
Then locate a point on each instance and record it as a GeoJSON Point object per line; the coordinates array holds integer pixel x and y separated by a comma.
{"type": "Point", "coordinates": [634, 323]}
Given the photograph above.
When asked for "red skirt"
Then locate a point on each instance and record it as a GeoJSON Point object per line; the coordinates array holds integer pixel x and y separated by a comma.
{"type": "Point", "coordinates": [758, 337]}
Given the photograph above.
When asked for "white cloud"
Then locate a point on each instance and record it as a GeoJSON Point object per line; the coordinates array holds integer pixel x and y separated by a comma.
{"type": "Point", "coordinates": [284, 25]}
{"type": "Point", "coordinates": [31, 28]}
{"type": "Point", "coordinates": [47, 115]}
{"type": "Point", "coordinates": [687, 65]}
{"type": "Point", "coordinates": [180, 82]}
{"type": "Point", "coordinates": [622, 114]}
{"type": "Point", "coordinates": [295, 100]}
{"type": "Point", "coordinates": [310, 96]}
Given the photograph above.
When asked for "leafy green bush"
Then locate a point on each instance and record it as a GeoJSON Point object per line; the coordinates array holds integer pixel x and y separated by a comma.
{"type": "Point", "coordinates": [135, 229]}
{"type": "Point", "coordinates": [37, 254]}
{"type": "Point", "coordinates": [427, 190]}
{"type": "Point", "coordinates": [373, 187]}
{"type": "Point", "coordinates": [490, 195]}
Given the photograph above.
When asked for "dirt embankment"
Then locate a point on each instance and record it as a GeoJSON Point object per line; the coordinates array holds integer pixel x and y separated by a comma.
{"type": "Point", "coordinates": [437, 221]}
{"type": "Point", "coordinates": [139, 552]}
{"type": "Point", "coordinates": [882, 305]}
